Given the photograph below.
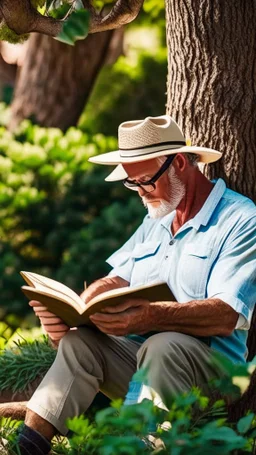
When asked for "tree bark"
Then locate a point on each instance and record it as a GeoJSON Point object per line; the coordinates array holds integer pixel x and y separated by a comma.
{"type": "Point", "coordinates": [211, 92]}
{"type": "Point", "coordinates": [56, 80]}
{"type": "Point", "coordinates": [211, 84]}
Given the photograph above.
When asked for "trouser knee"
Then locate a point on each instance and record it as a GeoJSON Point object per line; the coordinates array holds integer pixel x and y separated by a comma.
{"type": "Point", "coordinates": [81, 347]}
{"type": "Point", "coordinates": [155, 351]}
{"type": "Point", "coordinates": [165, 358]}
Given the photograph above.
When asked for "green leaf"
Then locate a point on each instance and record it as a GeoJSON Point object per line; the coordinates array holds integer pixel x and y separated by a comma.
{"type": "Point", "coordinates": [60, 12]}
{"type": "Point", "coordinates": [75, 28]}
{"type": "Point", "coordinates": [141, 376]}
{"type": "Point", "coordinates": [244, 423]}
{"type": "Point", "coordinates": [219, 404]}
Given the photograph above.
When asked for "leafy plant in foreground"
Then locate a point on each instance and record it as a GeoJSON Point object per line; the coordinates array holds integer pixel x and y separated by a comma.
{"type": "Point", "coordinates": [193, 424]}
{"type": "Point", "coordinates": [24, 362]}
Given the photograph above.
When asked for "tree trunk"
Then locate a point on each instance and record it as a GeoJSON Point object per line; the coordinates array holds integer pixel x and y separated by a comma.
{"type": "Point", "coordinates": [211, 93]}
{"type": "Point", "coordinates": [56, 80]}
{"type": "Point", "coordinates": [211, 82]}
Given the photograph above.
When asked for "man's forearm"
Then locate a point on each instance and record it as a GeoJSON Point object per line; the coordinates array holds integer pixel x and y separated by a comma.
{"type": "Point", "coordinates": [103, 285]}
{"type": "Point", "coordinates": [211, 317]}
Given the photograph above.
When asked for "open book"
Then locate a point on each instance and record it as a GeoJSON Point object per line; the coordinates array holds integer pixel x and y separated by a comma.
{"type": "Point", "coordinates": [65, 303]}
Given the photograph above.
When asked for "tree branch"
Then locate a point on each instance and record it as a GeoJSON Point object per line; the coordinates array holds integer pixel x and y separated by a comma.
{"type": "Point", "coordinates": [22, 17]}
{"type": "Point", "coordinates": [123, 12]}
{"type": "Point", "coordinates": [88, 5]}
{"type": "Point", "coordinates": [47, 25]}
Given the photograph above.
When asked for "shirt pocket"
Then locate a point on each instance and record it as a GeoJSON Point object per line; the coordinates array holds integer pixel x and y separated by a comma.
{"type": "Point", "coordinates": [145, 262]}
{"type": "Point", "coordinates": [193, 270]}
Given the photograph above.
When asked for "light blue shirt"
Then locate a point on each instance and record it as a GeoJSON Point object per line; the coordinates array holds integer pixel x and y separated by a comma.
{"type": "Point", "coordinates": [211, 255]}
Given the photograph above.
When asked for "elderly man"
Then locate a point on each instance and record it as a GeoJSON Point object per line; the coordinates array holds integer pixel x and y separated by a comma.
{"type": "Point", "coordinates": [199, 237]}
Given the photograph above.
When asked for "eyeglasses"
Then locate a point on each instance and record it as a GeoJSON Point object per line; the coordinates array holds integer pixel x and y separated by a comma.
{"type": "Point", "coordinates": [149, 185]}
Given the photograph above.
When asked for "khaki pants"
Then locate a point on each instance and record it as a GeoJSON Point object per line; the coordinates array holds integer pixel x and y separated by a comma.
{"type": "Point", "coordinates": [88, 361]}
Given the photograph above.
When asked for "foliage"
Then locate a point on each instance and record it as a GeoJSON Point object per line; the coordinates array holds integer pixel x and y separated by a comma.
{"type": "Point", "coordinates": [58, 216]}
{"type": "Point", "coordinates": [137, 91]}
{"type": "Point", "coordinates": [135, 86]}
{"type": "Point", "coordinates": [122, 430]}
{"type": "Point", "coordinates": [22, 363]}
{"type": "Point", "coordinates": [192, 425]}
{"type": "Point", "coordinates": [75, 27]}
{"type": "Point", "coordinates": [8, 435]}
{"type": "Point", "coordinates": [6, 34]}
{"type": "Point", "coordinates": [154, 13]}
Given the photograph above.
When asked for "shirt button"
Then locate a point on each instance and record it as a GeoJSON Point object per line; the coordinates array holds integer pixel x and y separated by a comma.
{"type": "Point", "coordinates": [171, 242]}
{"type": "Point", "coordinates": [166, 257]}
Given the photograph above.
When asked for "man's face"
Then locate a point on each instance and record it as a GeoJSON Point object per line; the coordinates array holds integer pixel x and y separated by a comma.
{"type": "Point", "coordinates": [168, 192]}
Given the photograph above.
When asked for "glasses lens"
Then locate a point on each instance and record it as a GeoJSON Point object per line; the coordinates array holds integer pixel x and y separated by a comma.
{"type": "Point", "coordinates": [130, 186]}
{"type": "Point", "coordinates": [148, 187]}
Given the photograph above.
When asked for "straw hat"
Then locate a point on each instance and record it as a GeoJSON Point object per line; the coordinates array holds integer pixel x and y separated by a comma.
{"type": "Point", "coordinates": [142, 140]}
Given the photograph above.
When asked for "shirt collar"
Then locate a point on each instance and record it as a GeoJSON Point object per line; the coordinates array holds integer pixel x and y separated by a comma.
{"type": "Point", "coordinates": [167, 220]}
{"type": "Point", "coordinates": [203, 216]}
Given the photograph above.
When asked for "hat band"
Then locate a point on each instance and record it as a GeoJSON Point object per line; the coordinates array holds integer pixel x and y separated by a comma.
{"type": "Point", "coordinates": [139, 151]}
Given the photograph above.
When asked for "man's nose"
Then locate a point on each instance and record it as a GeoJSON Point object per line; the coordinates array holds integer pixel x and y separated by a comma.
{"type": "Point", "coordinates": [142, 191]}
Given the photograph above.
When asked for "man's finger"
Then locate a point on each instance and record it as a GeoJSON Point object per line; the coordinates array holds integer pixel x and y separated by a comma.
{"type": "Point", "coordinates": [44, 313]}
{"type": "Point", "coordinates": [56, 328]}
{"type": "Point", "coordinates": [34, 304]}
{"type": "Point", "coordinates": [40, 310]}
{"type": "Point", "coordinates": [51, 320]}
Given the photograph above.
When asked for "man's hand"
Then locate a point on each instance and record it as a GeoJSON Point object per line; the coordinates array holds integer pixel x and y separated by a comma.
{"type": "Point", "coordinates": [52, 324]}
{"type": "Point", "coordinates": [131, 317]}
{"type": "Point", "coordinates": [208, 317]}
{"type": "Point", "coordinates": [103, 285]}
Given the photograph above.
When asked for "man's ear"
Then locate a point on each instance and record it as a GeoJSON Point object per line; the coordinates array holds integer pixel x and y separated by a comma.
{"type": "Point", "coordinates": [180, 163]}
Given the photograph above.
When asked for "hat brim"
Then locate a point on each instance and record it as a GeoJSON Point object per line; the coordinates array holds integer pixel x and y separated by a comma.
{"type": "Point", "coordinates": [206, 155]}
{"type": "Point", "coordinates": [117, 174]}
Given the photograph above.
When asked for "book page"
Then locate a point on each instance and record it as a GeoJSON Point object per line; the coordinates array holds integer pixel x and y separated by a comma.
{"type": "Point", "coordinates": [42, 282]}
{"type": "Point", "coordinates": [122, 291]}
{"type": "Point", "coordinates": [51, 294]}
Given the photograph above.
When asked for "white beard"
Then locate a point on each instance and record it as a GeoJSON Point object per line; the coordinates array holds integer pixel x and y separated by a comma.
{"type": "Point", "coordinates": [175, 196]}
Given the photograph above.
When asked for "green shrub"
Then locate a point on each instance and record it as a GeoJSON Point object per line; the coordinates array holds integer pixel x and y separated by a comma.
{"type": "Point", "coordinates": [138, 90]}
{"type": "Point", "coordinates": [23, 362]}
{"type": "Point", "coordinates": [58, 216]}
{"type": "Point", "coordinates": [199, 424]}
{"type": "Point", "coordinates": [193, 425]}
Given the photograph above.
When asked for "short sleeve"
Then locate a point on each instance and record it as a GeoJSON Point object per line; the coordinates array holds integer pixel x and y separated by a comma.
{"type": "Point", "coordinates": [121, 260]}
{"type": "Point", "coordinates": [233, 276]}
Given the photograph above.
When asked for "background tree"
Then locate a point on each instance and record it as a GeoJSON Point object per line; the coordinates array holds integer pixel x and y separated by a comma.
{"type": "Point", "coordinates": [56, 79]}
